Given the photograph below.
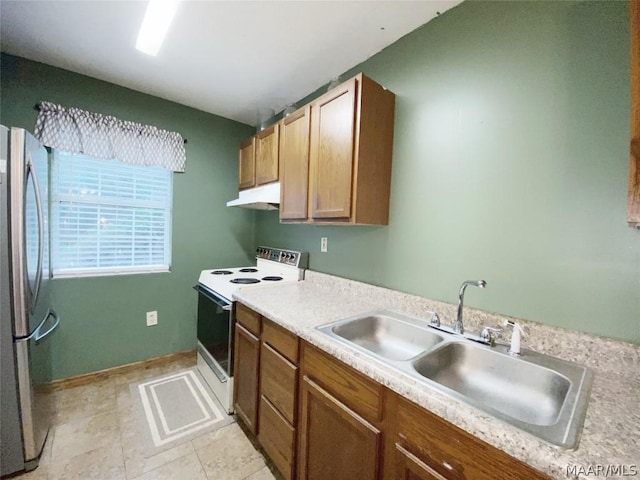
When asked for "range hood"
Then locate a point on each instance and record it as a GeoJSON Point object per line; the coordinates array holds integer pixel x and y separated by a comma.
{"type": "Point", "coordinates": [265, 197]}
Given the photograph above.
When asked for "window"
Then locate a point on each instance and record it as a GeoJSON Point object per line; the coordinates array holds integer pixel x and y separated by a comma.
{"type": "Point", "coordinates": [108, 217]}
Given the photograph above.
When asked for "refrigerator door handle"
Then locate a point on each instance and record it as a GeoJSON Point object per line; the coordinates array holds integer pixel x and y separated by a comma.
{"type": "Point", "coordinates": [37, 334]}
{"type": "Point", "coordinates": [40, 335]}
{"type": "Point", "coordinates": [36, 188]}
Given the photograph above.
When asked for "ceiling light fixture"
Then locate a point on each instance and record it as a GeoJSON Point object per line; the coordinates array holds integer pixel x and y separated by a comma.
{"type": "Point", "coordinates": [155, 25]}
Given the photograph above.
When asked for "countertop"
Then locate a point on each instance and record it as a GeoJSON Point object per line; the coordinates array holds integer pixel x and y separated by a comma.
{"type": "Point", "coordinates": [611, 433]}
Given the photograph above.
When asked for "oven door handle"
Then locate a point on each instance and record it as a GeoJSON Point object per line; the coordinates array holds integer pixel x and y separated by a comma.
{"type": "Point", "coordinates": [218, 301]}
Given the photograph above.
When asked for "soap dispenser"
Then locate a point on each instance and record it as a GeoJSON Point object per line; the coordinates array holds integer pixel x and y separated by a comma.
{"type": "Point", "coordinates": [515, 337]}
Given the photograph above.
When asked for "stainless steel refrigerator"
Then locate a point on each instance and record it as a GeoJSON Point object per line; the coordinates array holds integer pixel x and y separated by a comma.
{"type": "Point", "coordinates": [27, 319]}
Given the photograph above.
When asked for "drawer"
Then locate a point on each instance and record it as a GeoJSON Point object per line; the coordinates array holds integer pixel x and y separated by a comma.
{"type": "Point", "coordinates": [281, 339]}
{"type": "Point", "coordinates": [248, 318]}
{"type": "Point", "coordinates": [349, 386]}
{"type": "Point", "coordinates": [277, 437]}
{"type": "Point", "coordinates": [450, 451]}
{"type": "Point", "coordinates": [278, 381]}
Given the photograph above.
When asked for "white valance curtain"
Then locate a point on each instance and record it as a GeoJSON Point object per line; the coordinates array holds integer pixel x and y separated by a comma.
{"type": "Point", "coordinates": [102, 136]}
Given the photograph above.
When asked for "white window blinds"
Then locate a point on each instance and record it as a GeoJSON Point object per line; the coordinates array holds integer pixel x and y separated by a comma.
{"type": "Point", "coordinates": [109, 217]}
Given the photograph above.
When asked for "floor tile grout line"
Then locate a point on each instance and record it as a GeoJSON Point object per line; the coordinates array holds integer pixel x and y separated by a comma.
{"type": "Point", "coordinates": [54, 462]}
{"type": "Point", "coordinates": [164, 464]}
{"type": "Point", "coordinates": [204, 470]}
{"type": "Point", "coordinates": [81, 412]}
{"type": "Point", "coordinates": [124, 466]}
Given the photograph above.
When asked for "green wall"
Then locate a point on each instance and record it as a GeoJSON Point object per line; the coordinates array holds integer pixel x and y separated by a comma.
{"type": "Point", "coordinates": [510, 164]}
{"type": "Point", "coordinates": [103, 318]}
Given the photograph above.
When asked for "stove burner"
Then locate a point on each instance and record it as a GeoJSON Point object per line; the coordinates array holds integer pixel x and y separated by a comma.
{"type": "Point", "coordinates": [272, 278]}
{"type": "Point", "coordinates": [248, 270]}
{"type": "Point", "coordinates": [221, 272]}
{"type": "Point", "coordinates": [245, 280]}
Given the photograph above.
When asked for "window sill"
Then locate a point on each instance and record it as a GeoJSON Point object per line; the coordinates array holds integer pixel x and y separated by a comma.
{"type": "Point", "coordinates": [84, 273]}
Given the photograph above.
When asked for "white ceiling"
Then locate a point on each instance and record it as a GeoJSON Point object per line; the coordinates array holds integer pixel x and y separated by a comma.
{"type": "Point", "coordinates": [229, 58]}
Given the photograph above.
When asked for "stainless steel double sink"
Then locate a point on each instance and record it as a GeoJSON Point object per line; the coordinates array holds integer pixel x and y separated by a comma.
{"type": "Point", "coordinates": [539, 394]}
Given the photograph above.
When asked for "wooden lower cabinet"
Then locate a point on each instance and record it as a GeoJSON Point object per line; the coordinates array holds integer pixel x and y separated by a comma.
{"type": "Point", "coordinates": [278, 381]}
{"type": "Point", "coordinates": [245, 373]}
{"type": "Point", "coordinates": [351, 387]}
{"type": "Point", "coordinates": [278, 396]}
{"type": "Point", "coordinates": [278, 438]}
{"type": "Point", "coordinates": [410, 467]}
{"type": "Point", "coordinates": [335, 442]}
{"type": "Point", "coordinates": [428, 447]}
{"type": "Point", "coordinates": [318, 418]}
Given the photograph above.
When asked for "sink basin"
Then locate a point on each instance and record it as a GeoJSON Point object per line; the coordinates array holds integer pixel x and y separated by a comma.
{"type": "Point", "coordinates": [521, 390]}
{"type": "Point", "coordinates": [540, 394]}
{"type": "Point", "coordinates": [392, 337]}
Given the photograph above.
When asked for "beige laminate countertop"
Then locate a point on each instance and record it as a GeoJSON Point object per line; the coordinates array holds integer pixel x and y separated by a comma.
{"type": "Point", "coordinates": [611, 433]}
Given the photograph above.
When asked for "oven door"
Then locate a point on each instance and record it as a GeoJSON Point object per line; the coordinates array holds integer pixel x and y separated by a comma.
{"type": "Point", "coordinates": [215, 339]}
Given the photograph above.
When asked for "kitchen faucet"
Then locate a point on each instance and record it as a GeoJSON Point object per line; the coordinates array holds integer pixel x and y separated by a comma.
{"type": "Point", "coordinates": [458, 327]}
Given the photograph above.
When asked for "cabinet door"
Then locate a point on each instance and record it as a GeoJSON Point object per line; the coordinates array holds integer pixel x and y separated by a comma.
{"type": "Point", "coordinates": [267, 155]}
{"type": "Point", "coordinates": [245, 372]}
{"type": "Point", "coordinates": [335, 442]}
{"type": "Point", "coordinates": [294, 169]}
{"type": "Point", "coordinates": [449, 451]}
{"type": "Point", "coordinates": [331, 156]}
{"type": "Point", "coordinates": [246, 168]}
{"type": "Point", "coordinates": [410, 467]}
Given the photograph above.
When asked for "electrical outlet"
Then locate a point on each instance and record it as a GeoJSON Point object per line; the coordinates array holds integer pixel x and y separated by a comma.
{"type": "Point", "coordinates": [323, 244]}
{"type": "Point", "coordinates": [152, 318]}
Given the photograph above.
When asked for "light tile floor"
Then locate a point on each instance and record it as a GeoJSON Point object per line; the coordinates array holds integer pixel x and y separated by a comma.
{"type": "Point", "coordinates": [92, 439]}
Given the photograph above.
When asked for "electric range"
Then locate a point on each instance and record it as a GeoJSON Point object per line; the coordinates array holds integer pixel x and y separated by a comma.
{"type": "Point", "coordinates": [274, 266]}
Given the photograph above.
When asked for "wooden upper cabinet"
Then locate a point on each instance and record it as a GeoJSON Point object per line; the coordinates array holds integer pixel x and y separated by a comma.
{"type": "Point", "coordinates": [247, 163]}
{"type": "Point", "coordinates": [332, 157]}
{"type": "Point", "coordinates": [267, 155]}
{"type": "Point", "coordinates": [333, 118]}
{"type": "Point", "coordinates": [294, 164]}
{"type": "Point", "coordinates": [633, 202]}
{"type": "Point", "coordinates": [350, 149]}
